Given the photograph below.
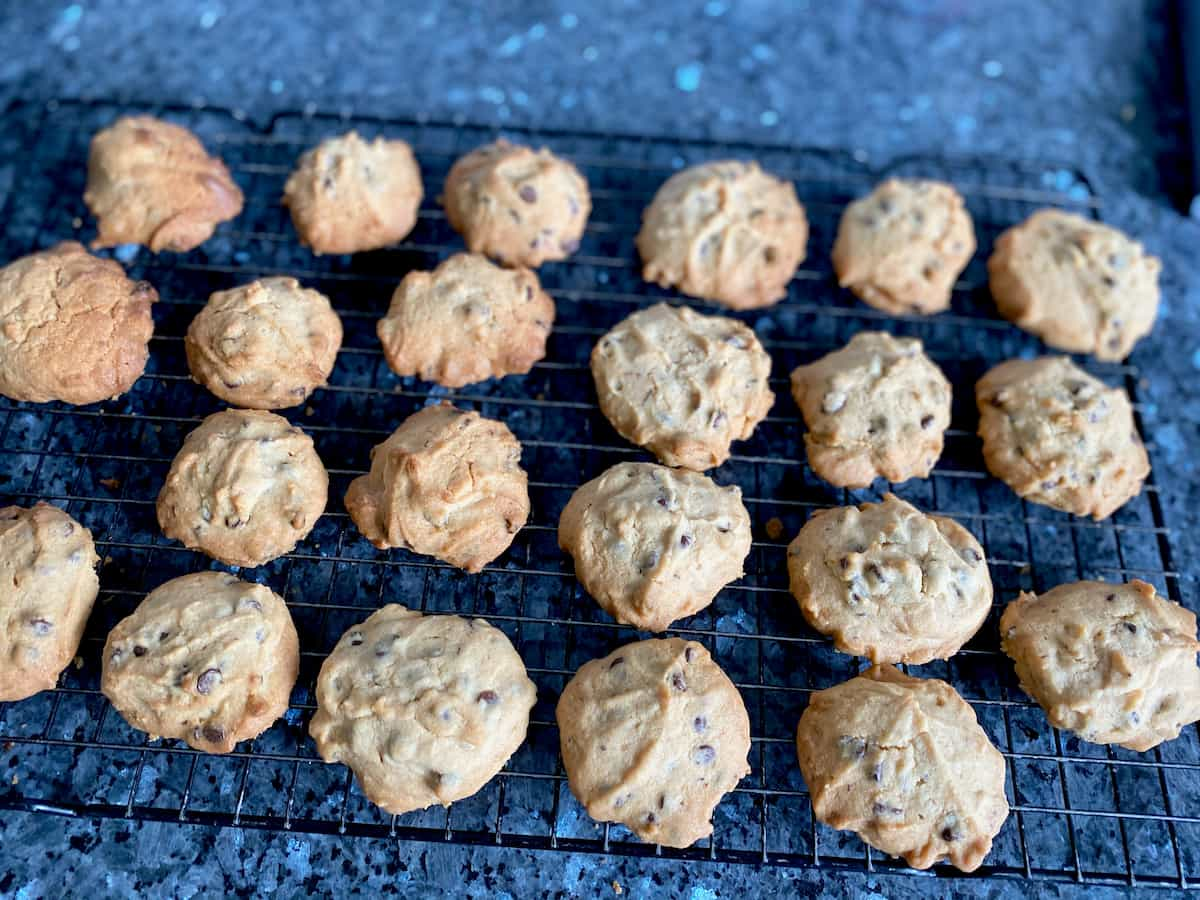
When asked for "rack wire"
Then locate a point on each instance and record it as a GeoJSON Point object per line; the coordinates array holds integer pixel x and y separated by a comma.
{"type": "Point", "coordinates": [1080, 812]}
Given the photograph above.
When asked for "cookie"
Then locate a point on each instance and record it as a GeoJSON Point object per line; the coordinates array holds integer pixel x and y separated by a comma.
{"type": "Point", "coordinates": [466, 321]}
{"type": "Point", "coordinates": [347, 195]}
{"type": "Point", "coordinates": [724, 231]}
{"type": "Point", "coordinates": [876, 407]}
{"type": "Point", "coordinates": [653, 736]}
{"type": "Point", "coordinates": [903, 763]}
{"type": "Point", "coordinates": [889, 582]}
{"type": "Point", "coordinates": [205, 658]}
{"type": "Point", "coordinates": [653, 544]}
{"type": "Point", "coordinates": [48, 567]}
{"type": "Point", "coordinates": [73, 327]}
{"type": "Point", "coordinates": [245, 488]}
{"type": "Point", "coordinates": [1076, 284]}
{"type": "Point", "coordinates": [1060, 437]}
{"type": "Point", "coordinates": [152, 183]}
{"type": "Point", "coordinates": [1114, 663]}
{"type": "Point", "coordinates": [447, 483]}
{"type": "Point", "coordinates": [519, 206]}
{"type": "Point", "coordinates": [682, 385]}
{"type": "Point", "coordinates": [901, 247]}
{"type": "Point", "coordinates": [264, 345]}
{"type": "Point", "coordinates": [423, 709]}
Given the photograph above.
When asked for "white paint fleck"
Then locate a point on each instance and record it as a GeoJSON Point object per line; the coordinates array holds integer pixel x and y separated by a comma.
{"type": "Point", "coordinates": [769, 117]}
{"type": "Point", "coordinates": [993, 68]}
{"type": "Point", "coordinates": [209, 18]}
{"type": "Point", "coordinates": [512, 46]}
{"type": "Point", "coordinates": [65, 23]}
{"type": "Point", "coordinates": [687, 77]}
{"type": "Point", "coordinates": [568, 21]}
{"type": "Point", "coordinates": [491, 94]}
{"type": "Point", "coordinates": [537, 31]}
{"type": "Point", "coordinates": [762, 53]}
{"type": "Point", "coordinates": [276, 86]}
{"type": "Point", "coordinates": [590, 53]}
{"type": "Point", "coordinates": [714, 8]}
{"type": "Point", "coordinates": [1196, 358]}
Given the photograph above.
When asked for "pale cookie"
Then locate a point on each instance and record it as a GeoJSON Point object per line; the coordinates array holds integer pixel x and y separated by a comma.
{"type": "Point", "coordinates": [903, 763]}
{"type": "Point", "coordinates": [447, 483]}
{"type": "Point", "coordinates": [48, 570]}
{"type": "Point", "coordinates": [1115, 663]}
{"type": "Point", "coordinates": [347, 195]}
{"type": "Point", "coordinates": [205, 658]}
{"type": "Point", "coordinates": [466, 321]}
{"type": "Point", "coordinates": [876, 407]}
{"type": "Point", "coordinates": [1060, 437]}
{"type": "Point", "coordinates": [423, 709]}
{"type": "Point", "coordinates": [889, 582]}
{"type": "Point", "coordinates": [653, 736]}
{"type": "Point", "coordinates": [1076, 284]}
{"type": "Point", "coordinates": [245, 488]}
{"type": "Point", "coordinates": [902, 246]}
{"type": "Point", "coordinates": [152, 183]}
{"type": "Point", "coordinates": [519, 206]}
{"type": "Point", "coordinates": [653, 544]}
{"type": "Point", "coordinates": [264, 345]}
{"type": "Point", "coordinates": [682, 385]}
{"type": "Point", "coordinates": [73, 327]}
{"type": "Point", "coordinates": [724, 231]}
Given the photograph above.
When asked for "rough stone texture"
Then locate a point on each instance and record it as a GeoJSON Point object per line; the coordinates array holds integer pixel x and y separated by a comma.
{"type": "Point", "coordinates": [1028, 78]}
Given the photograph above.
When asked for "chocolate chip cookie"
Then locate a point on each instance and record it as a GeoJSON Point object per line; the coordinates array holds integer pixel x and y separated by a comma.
{"type": "Point", "coordinates": [519, 206]}
{"type": "Point", "coordinates": [902, 246]}
{"type": "Point", "coordinates": [264, 345]}
{"type": "Point", "coordinates": [1115, 663]}
{"type": "Point", "coordinates": [903, 763]}
{"type": "Point", "coordinates": [889, 582]}
{"type": "Point", "coordinates": [1076, 284]}
{"type": "Point", "coordinates": [205, 658]}
{"type": "Point", "coordinates": [48, 569]}
{"type": "Point", "coordinates": [682, 385]}
{"type": "Point", "coordinates": [876, 407]}
{"type": "Point", "coordinates": [653, 544]}
{"type": "Point", "coordinates": [653, 736]}
{"type": "Point", "coordinates": [245, 488]}
{"type": "Point", "coordinates": [73, 327]}
{"type": "Point", "coordinates": [347, 195]}
{"type": "Point", "coordinates": [1060, 437]}
{"type": "Point", "coordinates": [423, 709]}
{"type": "Point", "coordinates": [466, 321]}
{"type": "Point", "coordinates": [151, 182]}
{"type": "Point", "coordinates": [447, 483]}
{"type": "Point", "coordinates": [724, 231]}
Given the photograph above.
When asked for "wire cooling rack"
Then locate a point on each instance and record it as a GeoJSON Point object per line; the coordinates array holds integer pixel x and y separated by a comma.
{"type": "Point", "coordinates": [1080, 812]}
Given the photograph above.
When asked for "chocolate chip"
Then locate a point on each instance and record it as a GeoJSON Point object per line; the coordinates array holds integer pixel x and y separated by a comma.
{"type": "Point", "coordinates": [251, 603]}
{"type": "Point", "coordinates": [927, 422]}
{"type": "Point", "coordinates": [620, 660]}
{"type": "Point", "coordinates": [1108, 280]}
{"type": "Point", "coordinates": [213, 734]}
{"type": "Point", "coordinates": [678, 683]}
{"type": "Point", "coordinates": [736, 341]}
{"type": "Point", "coordinates": [1131, 628]}
{"type": "Point", "coordinates": [528, 193]}
{"type": "Point", "coordinates": [233, 522]}
{"type": "Point", "coordinates": [1111, 597]}
{"type": "Point", "coordinates": [163, 635]}
{"type": "Point", "coordinates": [950, 833]}
{"type": "Point", "coordinates": [356, 640]}
{"type": "Point", "coordinates": [886, 809]}
{"type": "Point", "coordinates": [1134, 718]}
{"type": "Point", "coordinates": [699, 724]}
{"type": "Point", "coordinates": [569, 246]}
{"type": "Point", "coordinates": [650, 561]}
{"type": "Point", "coordinates": [969, 554]}
{"type": "Point", "coordinates": [878, 424]}
{"type": "Point", "coordinates": [139, 650]}
{"type": "Point", "coordinates": [770, 254]}
{"type": "Point", "coordinates": [875, 572]}
{"type": "Point", "coordinates": [877, 772]}
{"type": "Point", "coordinates": [852, 746]}
{"type": "Point", "coordinates": [651, 818]}
{"type": "Point", "coordinates": [662, 500]}
{"type": "Point", "coordinates": [573, 206]}
{"type": "Point", "coordinates": [689, 654]}
{"type": "Point", "coordinates": [844, 562]}
{"type": "Point", "coordinates": [116, 657]}
{"type": "Point", "coordinates": [488, 697]}
{"type": "Point", "coordinates": [208, 680]}
{"type": "Point", "coordinates": [704, 755]}
{"type": "Point", "coordinates": [719, 419]}
{"type": "Point", "coordinates": [685, 540]}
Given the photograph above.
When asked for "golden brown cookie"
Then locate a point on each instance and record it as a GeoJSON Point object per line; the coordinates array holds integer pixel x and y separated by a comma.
{"type": "Point", "coordinates": [879, 406]}
{"type": "Point", "coordinates": [901, 247]}
{"type": "Point", "coordinates": [653, 736]}
{"type": "Point", "coordinates": [447, 483]}
{"type": "Point", "coordinates": [724, 231]}
{"type": "Point", "coordinates": [466, 321]}
{"type": "Point", "coordinates": [424, 709]}
{"type": "Point", "coordinates": [347, 195]}
{"type": "Point", "coordinates": [682, 385]}
{"type": "Point", "coordinates": [48, 584]}
{"type": "Point", "coordinates": [889, 582]}
{"type": "Point", "coordinates": [519, 206]}
{"type": "Point", "coordinates": [205, 658]}
{"type": "Point", "coordinates": [903, 763]}
{"type": "Point", "coordinates": [1115, 663]}
{"type": "Point", "coordinates": [245, 488]}
{"type": "Point", "coordinates": [653, 544]}
{"type": "Point", "coordinates": [264, 345]}
{"type": "Point", "coordinates": [1060, 437]}
{"type": "Point", "coordinates": [152, 183]}
{"type": "Point", "coordinates": [1076, 284]}
{"type": "Point", "coordinates": [73, 327]}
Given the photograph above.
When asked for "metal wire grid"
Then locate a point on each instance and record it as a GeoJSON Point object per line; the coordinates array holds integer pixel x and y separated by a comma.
{"type": "Point", "coordinates": [1080, 812]}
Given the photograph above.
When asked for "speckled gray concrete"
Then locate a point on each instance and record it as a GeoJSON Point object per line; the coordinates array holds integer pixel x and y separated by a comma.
{"type": "Point", "coordinates": [1093, 84]}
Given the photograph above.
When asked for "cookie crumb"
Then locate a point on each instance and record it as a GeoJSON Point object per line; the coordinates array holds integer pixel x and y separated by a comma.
{"type": "Point", "coordinates": [79, 662]}
{"type": "Point", "coordinates": [617, 889]}
{"type": "Point", "coordinates": [774, 528]}
{"type": "Point", "coordinates": [113, 484]}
